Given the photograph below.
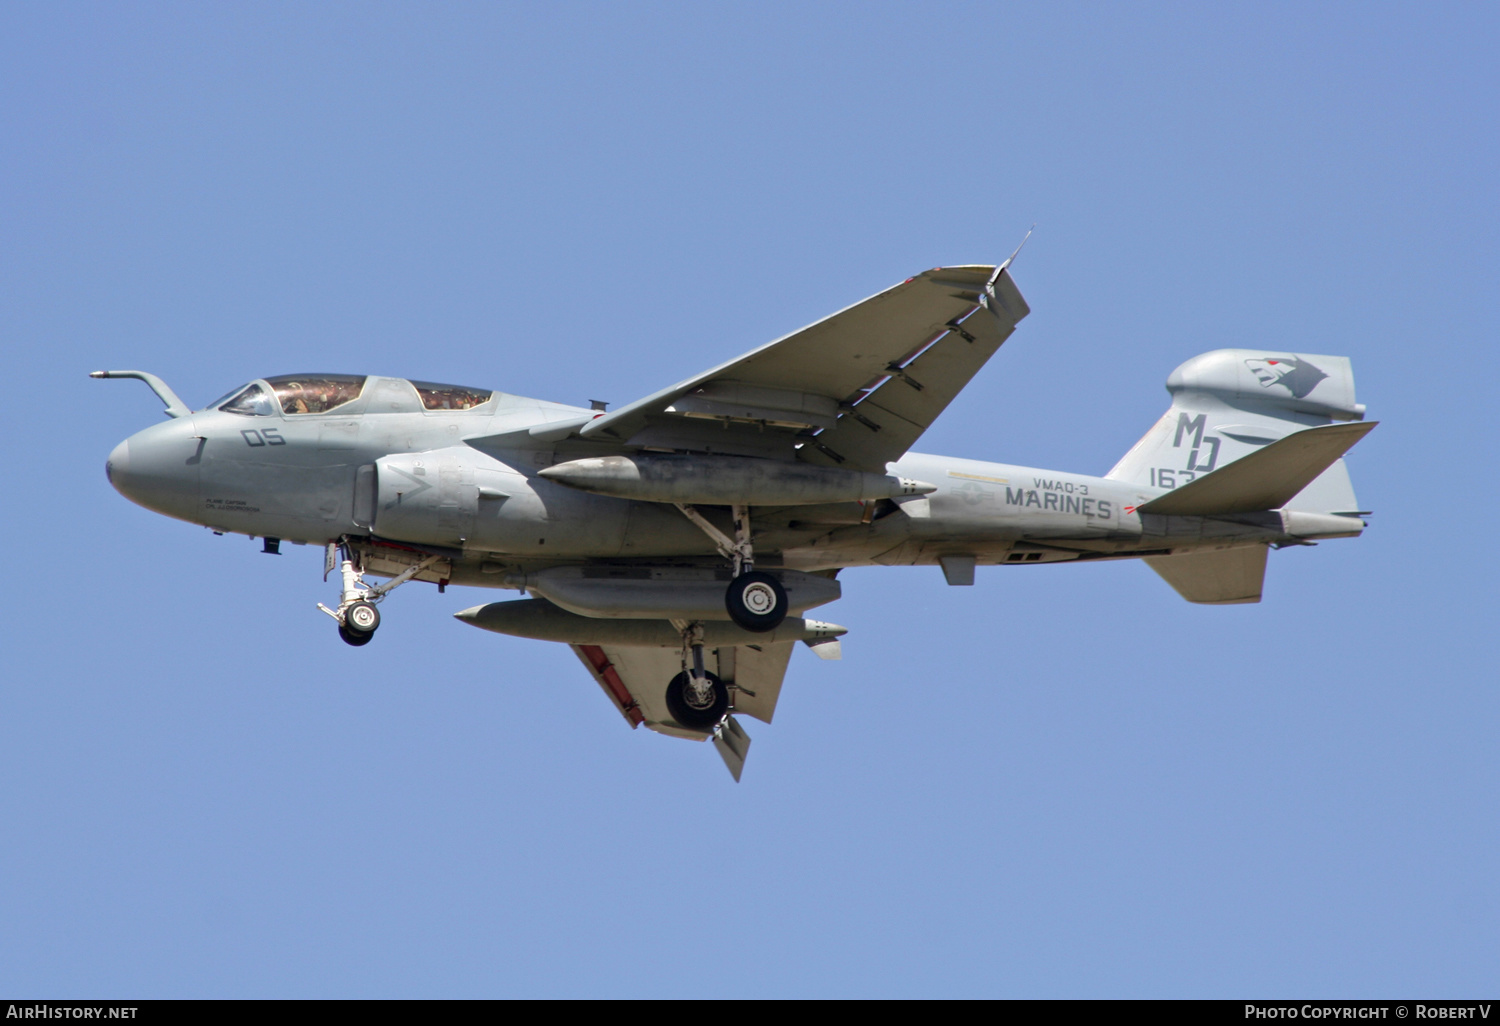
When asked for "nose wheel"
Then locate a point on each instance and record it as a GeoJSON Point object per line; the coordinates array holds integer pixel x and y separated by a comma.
{"type": "Point", "coordinates": [360, 621]}
{"type": "Point", "coordinates": [362, 617]}
{"type": "Point", "coordinates": [356, 615]}
{"type": "Point", "coordinates": [355, 638]}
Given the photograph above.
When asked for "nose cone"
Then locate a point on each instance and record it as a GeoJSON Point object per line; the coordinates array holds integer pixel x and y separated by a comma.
{"type": "Point", "coordinates": [158, 468]}
{"type": "Point", "coordinates": [117, 467]}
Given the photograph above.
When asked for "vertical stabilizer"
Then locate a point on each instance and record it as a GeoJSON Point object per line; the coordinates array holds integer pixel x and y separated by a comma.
{"type": "Point", "coordinates": [1230, 403]}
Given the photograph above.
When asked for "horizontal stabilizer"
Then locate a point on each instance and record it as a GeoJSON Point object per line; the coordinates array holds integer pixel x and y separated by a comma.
{"type": "Point", "coordinates": [1267, 478]}
{"type": "Point", "coordinates": [1219, 578]}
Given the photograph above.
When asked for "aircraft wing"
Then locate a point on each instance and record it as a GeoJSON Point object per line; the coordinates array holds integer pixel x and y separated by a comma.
{"type": "Point", "coordinates": [855, 389]}
{"type": "Point", "coordinates": [635, 679]}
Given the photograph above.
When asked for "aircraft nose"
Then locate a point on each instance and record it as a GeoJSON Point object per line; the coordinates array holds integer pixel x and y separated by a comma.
{"type": "Point", "coordinates": [117, 467]}
{"type": "Point", "coordinates": [157, 468]}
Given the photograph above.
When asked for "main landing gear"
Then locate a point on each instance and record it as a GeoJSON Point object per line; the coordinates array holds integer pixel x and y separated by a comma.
{"type": "Point", "coordinates": [697, 699]}
{"type": "Point", "coordinates": [754, 599]}
{"type": "Point", "coordinates": [356, 615]}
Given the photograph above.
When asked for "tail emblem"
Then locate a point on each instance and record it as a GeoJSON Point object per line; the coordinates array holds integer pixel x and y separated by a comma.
{"type": "Point", "coordinates": [1298, 376]}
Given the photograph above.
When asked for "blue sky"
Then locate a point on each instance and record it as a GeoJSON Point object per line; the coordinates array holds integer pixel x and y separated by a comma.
{"type": "Point", "coordinates": [1064, 781]}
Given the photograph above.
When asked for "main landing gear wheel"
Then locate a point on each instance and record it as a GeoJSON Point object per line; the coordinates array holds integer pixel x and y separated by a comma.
{"type": "Point", "coordinates": [756, 601]}
{"type": "Point", "coordinates": [697, 708]}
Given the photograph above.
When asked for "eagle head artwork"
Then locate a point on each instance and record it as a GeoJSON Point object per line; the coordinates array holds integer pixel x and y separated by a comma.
{"type": "Point", "coordinates": [1299, 376]}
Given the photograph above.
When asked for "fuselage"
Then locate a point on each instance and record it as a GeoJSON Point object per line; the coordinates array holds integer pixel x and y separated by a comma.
{"type": "Point", "coordinates": [383, 468]}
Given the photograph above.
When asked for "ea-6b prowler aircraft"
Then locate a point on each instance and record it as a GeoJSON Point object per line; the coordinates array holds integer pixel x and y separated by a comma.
{"type": "Point", "coordinates": [676, 543]}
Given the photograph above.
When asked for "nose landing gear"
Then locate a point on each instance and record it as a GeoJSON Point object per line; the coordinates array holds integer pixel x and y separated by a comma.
{"type": "Point", "coordinates": [356, 615]}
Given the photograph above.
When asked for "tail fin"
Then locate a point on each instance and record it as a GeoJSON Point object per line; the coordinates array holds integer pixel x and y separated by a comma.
{"type": "Point", "coordinates": [1231, 403]}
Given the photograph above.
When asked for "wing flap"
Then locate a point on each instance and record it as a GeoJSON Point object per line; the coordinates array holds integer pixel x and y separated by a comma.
{"type": "Point", "coordinates": [1267, 478]}
{"type": "Point", "coordinates": [1219, 578]}
{"type": "Point", "coordinates": [757, 672]}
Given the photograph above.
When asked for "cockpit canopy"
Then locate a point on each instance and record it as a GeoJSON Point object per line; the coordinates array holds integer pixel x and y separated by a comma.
{"type": "Point", "coordinates": [315, 393]}
{"type": "Point", "coordinates": [449, 397]}
{"type": "Point", "coordinates": [299, 394]}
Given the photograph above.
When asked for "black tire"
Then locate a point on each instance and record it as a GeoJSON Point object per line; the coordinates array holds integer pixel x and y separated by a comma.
{"type": "Point", "coordinates": [756, 601]}
{"type": "Point", "coordinates": [362, 618]}
{"type": "Point", "coordinates": [680, 703]}
{"type": "Point", "coordinates": [355, 638]}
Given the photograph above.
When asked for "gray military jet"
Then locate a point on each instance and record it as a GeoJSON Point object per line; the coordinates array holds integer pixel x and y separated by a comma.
{"type": "Point", "coordinates": [677, 542]}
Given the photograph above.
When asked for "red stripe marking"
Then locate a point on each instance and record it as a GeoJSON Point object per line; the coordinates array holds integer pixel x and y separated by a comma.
{"type": "Point", "coordinates": [612, 682]}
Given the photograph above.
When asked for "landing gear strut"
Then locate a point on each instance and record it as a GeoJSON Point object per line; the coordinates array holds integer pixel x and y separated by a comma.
{"type": "Point", "coordinates": [697, 699]}
{"type": "Point", "coordinates": [755, 600]}
{"type": "Point", "coordinates": [356, 615]}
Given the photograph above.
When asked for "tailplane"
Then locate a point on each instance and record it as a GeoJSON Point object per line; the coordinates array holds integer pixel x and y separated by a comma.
{"type": "Point", "coordinates": [1268, 478]}
{"type": "Point", "coordinates": [1220, 577]}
